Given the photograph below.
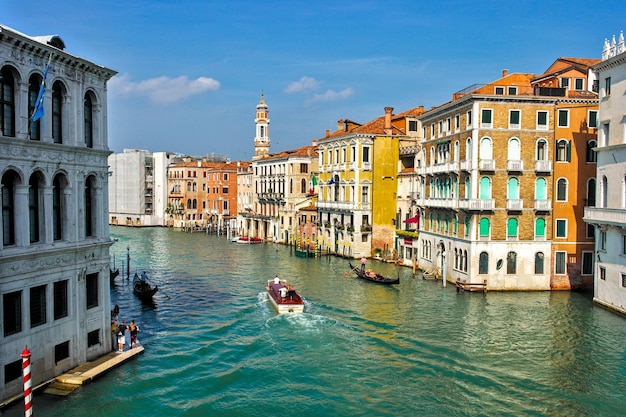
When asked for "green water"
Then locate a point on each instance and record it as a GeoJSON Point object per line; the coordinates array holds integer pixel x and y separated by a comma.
{"type": "Point", "coordinates": [214, 346]}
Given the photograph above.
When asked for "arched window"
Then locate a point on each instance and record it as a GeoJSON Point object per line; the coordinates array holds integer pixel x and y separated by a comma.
{"type": "Point", "coordinates": [483, 263]}
{"type": "Point", "coordinates": [456, 150]}
{"type": "Point", "coordinates": [604, 191]}
{"type": "Point", "coordinates": [33, 92]}
{"type": "Point", "coordinates": [58, 209]}
{"type": "Point", "coordinates": [90, 206]}
{"type": "Point", "coordinates": [514, 150]}
{"type": "Point", "coordinates": [468, 149]}
{"type": "Point", "coordinates": [468, 186]}
{"type": "Point", "coordinates": [58, 94]}
{"type": "Point", "coordinates": [511, 263]}
{"type": "Point", "coordinates": [35, 207]}
{"type": "Point", "coordinates": [194, 204]}
{"type": "Point", "coordinates": [542, 150]}
{"type": "Point", "coordinates": [467, 226]}
{"type": "Point", "coordinates": [465, 260]}
{"type": "Point", "coordinates": [88, 120]}
{"type": "Point", "coordinates": [539, 263]}
{"type": "Point", "coordinates": [512, 189]}
{"type": "Point", "coordinates": [484, 227]}
{"type": "Point", "coordinates": [540, 228]}
{"type": "Point", "coordinates": [511, 228]}
{"type": "Point", "coordinates": [485, 188]}
{"type": "Point", "coordinates": [561, 189]}
{"type": "Point", "coordinates": [563, 150]}
{"type": "Point", "coordinates": [7, 102]}
{"type": "Point", "coordinates": [541, 192]}
{"type": "Point", "coordinates": [485, 148]}
{"type": "Point", "coordinates": [591, 192]}
{"type": "Point", "coordinates": [10, 180]}
{"type": "Point", "coordinates": [591, 153]}
{"type": "Point", "coordinates": [303, 188]}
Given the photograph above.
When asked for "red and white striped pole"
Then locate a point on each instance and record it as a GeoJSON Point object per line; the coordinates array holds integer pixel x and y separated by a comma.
{"type": "Point", "coordinates": [28, 395]}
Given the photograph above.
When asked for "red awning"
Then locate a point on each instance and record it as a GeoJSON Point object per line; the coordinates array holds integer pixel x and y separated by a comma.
{"type": "Point", "coordinates": [414, 219]}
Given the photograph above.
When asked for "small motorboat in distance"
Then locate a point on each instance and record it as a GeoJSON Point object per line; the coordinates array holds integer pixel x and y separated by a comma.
{"type": "Point", "coordinates": [142, 288]}
{"type": "Point", "coordinates": [283, 297]}
{"type": "Point", "coordinates": [248, 240]}
{"type": "Point", "coordinates": [370, 275]}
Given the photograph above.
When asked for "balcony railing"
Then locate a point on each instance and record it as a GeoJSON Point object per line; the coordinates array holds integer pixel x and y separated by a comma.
{"type": "Point", "coordinates": [543, 166]}
{"type": "Point", "coordinates": [477, 204]}
{"type": "Point", "coordinates": [516, 204]}
{"type": "Point", "coordinates": [487, 165]}
{"type": "Point", "coordinates": [606, 215]}
{"type": "Point", "coordinates": [515, 165]}
{"type": "Point", "coordinates": [543, 205]}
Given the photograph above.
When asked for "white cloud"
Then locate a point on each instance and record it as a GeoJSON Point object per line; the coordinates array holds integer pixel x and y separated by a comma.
{"type": "Point", "coordinates": [332, 95]}
{"type": "Point", "coordinates": [162, 89]}
{"type": "Point", "coordinates": [304, 85]}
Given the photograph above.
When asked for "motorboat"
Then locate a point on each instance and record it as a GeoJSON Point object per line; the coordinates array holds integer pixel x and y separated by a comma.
{"type": "Point", "coordinates": [283, 297]}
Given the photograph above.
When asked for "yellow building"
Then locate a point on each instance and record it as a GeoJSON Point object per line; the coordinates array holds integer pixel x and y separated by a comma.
{"type": "Point", "coordinates": [358, 167]}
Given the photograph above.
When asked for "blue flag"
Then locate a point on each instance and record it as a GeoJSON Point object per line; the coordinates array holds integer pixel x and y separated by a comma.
{"type": "Point", "coordinates": [38, 111]}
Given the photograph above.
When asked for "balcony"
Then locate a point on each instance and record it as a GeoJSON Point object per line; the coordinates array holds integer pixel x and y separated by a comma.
{"type": "Point", "coordinates": [543, 166]}
{"type": "Point", "coordinates": [602, 215]}
{"type": "Point", "coordinates": [487, 165]}
{"type": "Point", "coordinates": [515, 165]}
{"type": "Point", "coordinates": [477, 204]}
{"type": "Point", "coordinates": [543, 205]}
{"type": "Point", "coordinates": [466, 165]}
{"type": "Point", "coordinates": [514, 204]}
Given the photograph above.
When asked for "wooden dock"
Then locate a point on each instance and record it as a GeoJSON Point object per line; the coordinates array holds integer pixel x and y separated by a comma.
{"type": "Point", "coordinates": [471, 286]}
{"type": "Point", "coordinates": [66, 383]}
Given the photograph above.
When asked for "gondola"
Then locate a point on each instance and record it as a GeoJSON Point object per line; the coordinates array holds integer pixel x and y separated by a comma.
{"type": "Point", "coordinates": [113, 274]}
{"type": "Point", "coordinates": [372, 276]}
{"type": "Point", "coordinates": [142, 288]}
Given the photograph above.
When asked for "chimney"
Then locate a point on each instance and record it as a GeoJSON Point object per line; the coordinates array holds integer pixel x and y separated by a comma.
{"type": "Point", "coordinates": [340, 125]}
{"type": "Point", "coordinates": [327, 132]}
{"type": "Point", "coordinates": [505, 72]}
{"type": "Point", "coordinates": [388, 111]}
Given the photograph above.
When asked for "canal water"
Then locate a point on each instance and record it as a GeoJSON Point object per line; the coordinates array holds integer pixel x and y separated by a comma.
{"type": "Point", "coordinates": [214, 346]}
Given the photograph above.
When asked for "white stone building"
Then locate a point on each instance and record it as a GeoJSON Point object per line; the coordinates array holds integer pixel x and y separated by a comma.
{"type": "Point", "coordinates": [609, 215]}
{"type": "Point", "coordinates": [54, 236]}
{"type": "Point", "coordinates": [138, 188]}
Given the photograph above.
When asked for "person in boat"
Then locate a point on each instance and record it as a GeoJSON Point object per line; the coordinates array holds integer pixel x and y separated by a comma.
{"type": "Point", "coordinates": [363, 260]}
{"type": "Point", "coordinates": [144, 276]}
{"type": "Point", "coordinates": [276, 279]}
{"type": "Point", "coordinates": [283, 292]}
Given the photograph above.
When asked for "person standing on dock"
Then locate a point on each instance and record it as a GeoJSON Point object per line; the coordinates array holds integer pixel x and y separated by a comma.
{"type": "Point", "coordinates": [121, 336]}
{"type": "Point", "coordinates": [134, 331]}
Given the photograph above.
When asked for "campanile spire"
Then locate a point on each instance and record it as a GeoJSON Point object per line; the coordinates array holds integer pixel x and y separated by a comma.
{"type": "Point", "coordinates": [262, 124]}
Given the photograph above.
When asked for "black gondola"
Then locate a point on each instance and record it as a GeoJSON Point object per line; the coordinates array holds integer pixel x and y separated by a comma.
{"type": "Point", "coordinates": [372, 276]}
{"type": "Point", "coordinates": [142, 288]}
{"type": "Point", "coordinates": [113, 274]}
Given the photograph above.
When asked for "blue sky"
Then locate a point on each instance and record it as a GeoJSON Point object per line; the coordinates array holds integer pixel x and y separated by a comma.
{"type": "Point", "coordinates": [191, 72]}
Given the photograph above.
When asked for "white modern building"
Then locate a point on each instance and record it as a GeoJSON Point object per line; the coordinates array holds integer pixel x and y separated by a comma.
{"type": "Point", "coordinates": [609, 215]}
{"type": "Point", "coordinates": [138, 188]}
{"type": "Point", "coordinates": [54, 235]}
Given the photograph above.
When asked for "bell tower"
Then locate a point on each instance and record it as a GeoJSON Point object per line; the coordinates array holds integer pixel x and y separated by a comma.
{"type": "Point", "coordinates": [262, 124]}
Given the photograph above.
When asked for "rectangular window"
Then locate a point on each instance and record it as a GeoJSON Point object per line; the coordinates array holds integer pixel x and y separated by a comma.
{"type": "Point", "coordinates": [304, 168]}
{"type": "Point", "coordinates": [563, 118]}
{"type": "Point", "coordinates": [485, 118]}
{"type": "Point", "coordinates": [561, 228]}
{"type": "Point", "coordinates": [457, 122]}
{"type": "Point", "coordinates": [440, 126]}
{"type": "Point", "coordinates": [579, 84]}
{"type": "Point", "coordinates": [623, 244]}
{"type": "Point", "coordinates": [12, 312]}
{"type": "Point", "coordinates": [542, 120]}
{"type": "Point", "coordinates": [514, 119]}
{"type": "Point", "coordinates": [224, 190]}
{"type": "Point", "coordinates": [412, 125]}
{"type": "Point", "coordinates": [12, 371]}
{"type": "Point", "coordinates": [61, 351]}
{"type": "Point", "coordinates": [590, 231]}
{"type": "Point", "coordinates": [499, 91]}
{"type": "Point", "coordinates": [602, 242]}
{"type": "Point", "coordinates": [593, 119]}
{"type": "Point", "coordinates": [623, 280]}
{"type": "Point", "coordinates": [92, 290]}
{"type": "Point", "coordinates": [365, 198]}
{"type": "Point", "coordinates": [469, 118]}
{"type": "Point", "coordinates": [559, 263]}
{"type": "Point", "coordinates": [512, 91]}
{"type": "Point", "coordinates": [607, 86]}
{"type": "Point", "coordinates": [93, 338]}
{"type": "Point", "coordinates": [564, 83]}
{"type": "Point", "coordinates": [225, 205]}
{"type": "Point", "coordinates": [448, 125]}
{"type": "Point", "coordinates": [602, 274]}
{"type": "Point", "coordinates": [587, 268]}
{"type": "Point", "coordinates": [366, 154]}
{"type": "Point", "coordinates": [225, 177]}
{"type": "Point", "coordinates": [37, 306]}
{"type": "Point", "coordinates": [432, 130]}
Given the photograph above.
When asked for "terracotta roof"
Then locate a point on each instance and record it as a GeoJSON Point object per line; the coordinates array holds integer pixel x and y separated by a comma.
{"type": "Point", "coordinates": [309, 150]}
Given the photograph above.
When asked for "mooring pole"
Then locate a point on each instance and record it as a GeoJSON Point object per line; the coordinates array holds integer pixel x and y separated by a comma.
{"type": "Point", "coordinates": [128, 261]}
{"type": "Point", "coordinates": [28, 395]}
